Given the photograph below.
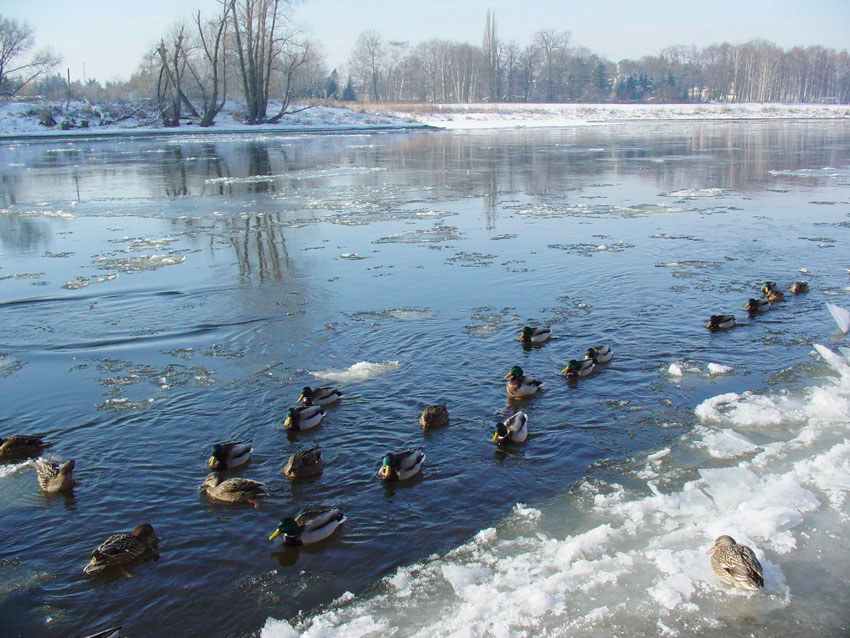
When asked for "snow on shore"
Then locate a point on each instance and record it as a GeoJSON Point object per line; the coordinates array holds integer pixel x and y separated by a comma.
{"type": "Point", "coordinates": [22, 118]}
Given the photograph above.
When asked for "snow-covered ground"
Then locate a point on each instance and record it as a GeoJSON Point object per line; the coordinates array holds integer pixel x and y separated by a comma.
{"type": "Point", "coordinates": [23, 118]}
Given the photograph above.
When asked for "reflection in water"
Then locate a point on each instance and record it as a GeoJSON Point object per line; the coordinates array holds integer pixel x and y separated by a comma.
{"type": "Point", "coordinates": [727, 155]}
{"type": "Point", "coordinates": [260, 247]}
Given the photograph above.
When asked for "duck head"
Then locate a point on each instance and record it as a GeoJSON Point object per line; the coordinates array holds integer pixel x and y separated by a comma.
{"type": "Point", "coordinates": [516, 371]}
{"type": "Point", "coordinates": [287, 527]}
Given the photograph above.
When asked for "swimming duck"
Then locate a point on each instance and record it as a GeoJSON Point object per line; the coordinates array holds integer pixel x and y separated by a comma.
{"type": "Point", "coordinates": [720, 322]}
{"type": "Point", "coordinates": [434, 416]}
{"type": "Point", "coordinates": [599, 354]}
{"type": "Point", "coordinates": [735, 564]}
{"type": "Point", "coordinates": [771, 292]}
{"type": "Point", "coordinates": [18, 446]}
{"type": "Point", "coordinates": [229, 455]}
{"type": "Point", "coordinates": [303, 418]}
{"type": "Point", "coordinates": [120, 549]}
{"type": "Point", "coordinates": [757, 306]}
{"type": "Point", "coordinates": [514, 429]}
{"type": "Point", "coordinates": [579, 368]}
{"type": "Point", "coordinates": [521, 385]}
{"type": "Point", "coordinates": [309, 527]}
{"type": "Point", "coordinates": [537, 335]}
{"type": "Point", "coordinates": [53, 476]}
{"type": "Point", "coordinates": [304, 464]}
{"type": "Point", "coordinates": [232, 490]}
{"type": "Point", "coordinates": [400, 466]}
{"type": "Point", "coordinates": [799, 287]}
{"type": "Point", "coordinates": [319, 396]}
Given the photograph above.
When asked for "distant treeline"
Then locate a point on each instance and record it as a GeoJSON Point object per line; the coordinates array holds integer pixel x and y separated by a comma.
{"type": "Point", "coordinates": [252, 51]}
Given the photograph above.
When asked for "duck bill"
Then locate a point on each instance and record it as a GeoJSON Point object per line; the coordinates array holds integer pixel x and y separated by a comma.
{"type": "Point", "coordinates": [288, 422]}
{"type": "Point", "coordinates": [507, 375]}
{"type": "Point", "coordinates": [708, 325]}
{"type": "Point", "coordinates": [384, 472]}
{"type": "Point", "coordinates": [495, 436]}
{"type": "Point", "coordinates": [274, 535]}
{"type": "Point", "coordinates": [566, 370]}
{"type": "Point", "coordinates": [301, 398]}
{"type": "Point", "coordinates": [212, 462]}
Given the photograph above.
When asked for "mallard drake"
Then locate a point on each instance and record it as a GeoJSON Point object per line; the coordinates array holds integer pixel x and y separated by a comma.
{"type": "Point", "coordinates": [537, 335]}
{"type": "Point", "coordinates": [232, 490]}
{"type": "Point", "coordinates": [735, 564]}
{"type": "Point", "coordinates": [757, 306]}
{"type": "Point", "coordinates": [799, 287]}
{"type": "Point", "coordinates": [514, 429]}
{"type": "Point", "coordinates": [720, 322]}
{"type": "Point", "coordinates": [521, 385]}
{"type": "Point", "coordinates": [400, 466]}
{"type": "Point", "coordinates": [319, 396]}
{"type": "Point", "coordinates": [229, 455]}
{"type": "Point", "coordinates": [53, 476]}
{"type": "Point", "coordinates": [599, 354]}
{"type": "Point", "coordinates": [309, 527]}
{"type": "Point", "coordinates": [18, 446]}
{"type": "Point", "coordinates": [579, 368]}
{"type": "Point", "coordinates": [772, 293]}
{"type": "Point", "coordinates": [304, 464]}
{"type": "Point", "coordinates": [303, 418]}
{"type": "Point", "coordinates": [120, 549]}
{"type": "Point", "coordinates": [434, 416]}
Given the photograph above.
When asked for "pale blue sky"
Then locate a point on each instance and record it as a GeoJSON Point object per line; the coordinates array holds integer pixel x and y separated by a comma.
{"type": "Point", "coordinates": [110, 37]}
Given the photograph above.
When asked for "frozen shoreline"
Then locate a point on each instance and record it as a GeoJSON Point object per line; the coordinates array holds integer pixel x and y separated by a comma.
{"type": "Point", "coordinates": [19, 119]}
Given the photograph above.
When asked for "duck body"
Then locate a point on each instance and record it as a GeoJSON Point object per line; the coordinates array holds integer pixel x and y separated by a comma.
{"type": "Point", "coordinates": [720, 322]}
{"type": "Point", "coordinates": [736, 564]}
{"type": "Point", "coordinates": [303, 418]}
{"type": "Point", "coordinates": [309, 527]}
{"type": "Point", "coordinates": [799, 287]}
{"type": "Point", "coordinates": [521, 385]}
{"type": "Point", "coordinates": [120, 549]}
{"type": "Point", "coordinates": [579, 368]}
{"type": "Point", "coordinates": [319, 396]}
{"type": "Point", "coordinates": [757, 306]}
{"type": "Point", "coordinates": [229, 454]}
{"type": "Point", "coordinates": [771, 292]}
{"type": "Point", "coordinates": [533, 336]}
{"type": "Point", "coordinates": [232, 490]}
{"type": "Point", "coordinates": [18, 446]}
{"type": "Point", "coordinates": [304, 464]}
{"type": "Point", "coordinates": [400, 466]}
{"type": "Point", "coordinates": [434, 416]}
{"type": "Point", "coordinates": [599, 354]}
{"type": "Point", "coordinates": [53, 476]}
{"type": "Point", "coordinates": [514, 429]}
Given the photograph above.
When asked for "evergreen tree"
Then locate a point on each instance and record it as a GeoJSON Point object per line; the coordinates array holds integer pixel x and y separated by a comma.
{"type": "Point", "coordinates": [348, 94]}
{"type": "Point", "coordinates": [332, 86]}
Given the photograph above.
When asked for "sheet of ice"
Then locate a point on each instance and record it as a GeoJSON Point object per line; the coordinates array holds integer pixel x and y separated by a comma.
{"type": "Point", "coordinates": [361, 371]}
{"type": "Point", "coordinates": [841, 316]}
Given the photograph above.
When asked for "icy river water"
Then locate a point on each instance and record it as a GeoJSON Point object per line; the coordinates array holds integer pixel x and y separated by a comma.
{"type": "Point", "coordinates": [161, 294]}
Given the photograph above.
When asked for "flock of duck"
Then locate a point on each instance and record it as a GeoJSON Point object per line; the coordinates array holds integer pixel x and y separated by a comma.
{"type": "Point", "coordinates": [734, 564]}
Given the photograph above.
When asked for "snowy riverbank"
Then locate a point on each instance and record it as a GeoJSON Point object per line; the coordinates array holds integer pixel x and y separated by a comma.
{"type": "Point", "coordinates": [24, 118]}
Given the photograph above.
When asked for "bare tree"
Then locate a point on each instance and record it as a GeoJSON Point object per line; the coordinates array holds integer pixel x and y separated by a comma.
{"type": "Point", "coordinates": [209, 74]}
{"type": "Point", "coordinates": [491, 55]}
{"type": "Point", "coordinates": [16, 71]}
{"type": "Point", "coordinates": [266, 44]}
{"type": "Point", "coordinates": [173, 57]}
{"type": "Point", "coordinates": [367, 62]}
{"type": "Point", "coordinates": [552, 47]}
